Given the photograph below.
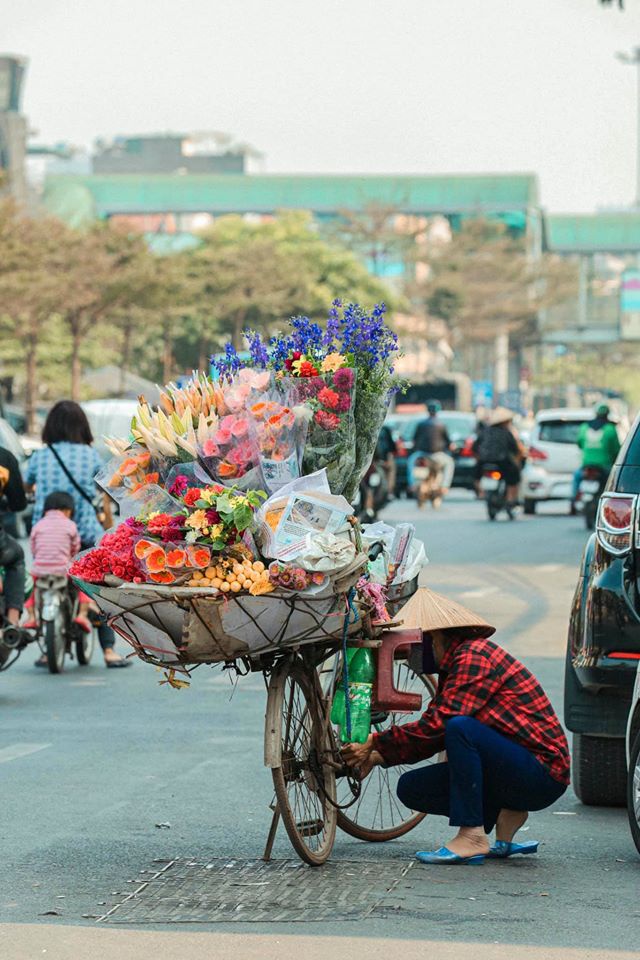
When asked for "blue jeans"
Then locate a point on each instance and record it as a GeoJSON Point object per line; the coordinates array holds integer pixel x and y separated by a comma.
{"type": "Point", "coordinates": [484, 773]}
{"type": "Point", "coordinates": [577, 480]}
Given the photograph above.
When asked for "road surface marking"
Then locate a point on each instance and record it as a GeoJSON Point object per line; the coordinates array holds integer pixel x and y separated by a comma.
{"type": "Point", "coordinates": [549, 567]}
{"type": "Point", "coordinates": [476, 594]}
{"type": "Point", "coordinates": [17, 750]}
{"type": "Point", "coordinates": [88, 683]}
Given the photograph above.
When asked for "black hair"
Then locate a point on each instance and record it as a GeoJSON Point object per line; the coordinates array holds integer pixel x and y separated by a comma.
{"type": "Point", "coordinates": [59, 500]}
{"type": "Point", "coordinates": [67, 421]}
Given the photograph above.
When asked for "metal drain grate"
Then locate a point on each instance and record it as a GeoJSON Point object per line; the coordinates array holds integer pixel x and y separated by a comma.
{"type": "Point", "coordinates": [251, 891]}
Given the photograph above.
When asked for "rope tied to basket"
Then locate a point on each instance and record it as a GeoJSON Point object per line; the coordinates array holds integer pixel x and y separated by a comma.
{"type": "Point", "coordinates": [351, 608]}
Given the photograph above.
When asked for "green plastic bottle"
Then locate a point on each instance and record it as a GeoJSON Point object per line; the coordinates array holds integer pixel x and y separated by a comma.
{"type": "Point", "coordinates": [338, 716]}
{"type": "Point", "coordinates": [362, 673]}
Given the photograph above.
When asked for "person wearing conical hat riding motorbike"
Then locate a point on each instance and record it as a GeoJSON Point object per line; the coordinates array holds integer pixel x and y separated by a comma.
{"type": "Point", "coordinates": [506, 751]}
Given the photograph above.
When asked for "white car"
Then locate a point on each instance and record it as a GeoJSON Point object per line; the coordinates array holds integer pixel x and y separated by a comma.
{"type": "Point", "coordinates": [633, 763]}
{"type": "Point", "coordinates": [554, 456]}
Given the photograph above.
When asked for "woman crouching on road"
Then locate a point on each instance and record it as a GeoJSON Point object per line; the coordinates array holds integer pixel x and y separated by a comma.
{"type": "Point", "coordinates": [506, 752]}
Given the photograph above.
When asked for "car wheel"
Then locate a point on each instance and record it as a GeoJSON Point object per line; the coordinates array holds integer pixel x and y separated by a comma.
{"type": "Point", "coordinates": [529, 506]}
{"type": "Point", "coordinates": [633, 791]}
{"type": "Point", "coordinates": [600, 770]}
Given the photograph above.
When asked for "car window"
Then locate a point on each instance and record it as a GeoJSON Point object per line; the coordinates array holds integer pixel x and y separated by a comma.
{"type": "Point", "coordinates": [404, 428]}
{"type": "Point", "coordinates": [458, 428]}
{"type": "Point", "coordinates": [560, 431]}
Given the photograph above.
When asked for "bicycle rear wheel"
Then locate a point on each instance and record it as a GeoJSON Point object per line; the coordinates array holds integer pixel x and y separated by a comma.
{"type": "Point", "coordinates": [377, 815]}
{"type": "Point", "coordinates": [304, 783]}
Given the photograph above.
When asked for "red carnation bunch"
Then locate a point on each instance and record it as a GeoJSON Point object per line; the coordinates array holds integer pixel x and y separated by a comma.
{"type": "Point", "coordinates": [113, 555]}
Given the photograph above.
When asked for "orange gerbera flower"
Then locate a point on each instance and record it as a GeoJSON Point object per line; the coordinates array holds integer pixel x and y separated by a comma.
{"type": "Point", "coordinates": [198, 557]}
{"type": "Point", "coordinates": [128, 467]}
{"type": "Point", "coordinates": [144, 547]}
{"type": "Point", "coordinates": [164, 576]}
{"type": "Point", "coordinates": [227, 469]}
{"type": "Point", "coordinates": [176, 558]}
{"type": "Point", "coordinates": [156, 561]}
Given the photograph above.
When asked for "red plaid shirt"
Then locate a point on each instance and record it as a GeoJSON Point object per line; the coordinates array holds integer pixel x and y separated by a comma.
{"type": "Point", "coordinates": [480, 679]}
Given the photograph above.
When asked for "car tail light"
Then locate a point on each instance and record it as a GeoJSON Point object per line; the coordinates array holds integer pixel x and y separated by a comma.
{"type": "Point", "coordinates": [401, 449]}
{"type": "Point", "coordinates": [467, 449]}
{"type": "Point", "coordinates": [493, 474]}
{"type": "Point", "coordinates": [623, 655]}
{"type": "Point", "coordinates": [536, 454]}
{"type": "Point", "coordinates": [615, 522]}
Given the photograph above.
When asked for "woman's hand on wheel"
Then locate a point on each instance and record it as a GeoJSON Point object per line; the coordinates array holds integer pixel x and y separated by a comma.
{"type": "Point", "coordinates": [373, 760]}
{"type": "Point", "coordinates": [357, 754]}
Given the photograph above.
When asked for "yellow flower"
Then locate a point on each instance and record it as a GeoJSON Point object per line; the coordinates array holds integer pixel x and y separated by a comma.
{"type": "Point", "coordinates": [332, 362]}
{"type": "Point", "coordinates": [215, 531]}
{"type": "Point", "coordinates": [197, 520]}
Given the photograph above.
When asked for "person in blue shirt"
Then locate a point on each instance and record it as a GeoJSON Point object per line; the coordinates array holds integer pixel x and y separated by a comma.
{"type": "Point", "coordinates": [68, 444]}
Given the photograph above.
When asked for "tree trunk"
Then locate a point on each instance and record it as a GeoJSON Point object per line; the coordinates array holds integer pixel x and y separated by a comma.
{"type": "Point", "coordinates": [203, 353]}
{"type": "Point", "coordinates": [167, 354]}
{"type": "Point", "coordinates": [76, 369]}
{"type": "Point", "coordinates": [238, 326]}
{"type": "Point", "coordinates": [31, 386]}
{"type": "Point", "coordinates": [125, 360]}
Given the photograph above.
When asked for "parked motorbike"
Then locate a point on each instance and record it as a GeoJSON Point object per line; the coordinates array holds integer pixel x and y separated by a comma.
{"type": "Point", "coordinates": [13, 639]}
{"type": "Point", "coordinates": [59, 636]}
{"type": "Point", "coordinates": [593, 482]}
{"type": "Point", "coordinates": [493, 487]}
{"type": "Point", "coordinates": [372, 495]}
{"type": "Point", "coordinates": [427, 482]}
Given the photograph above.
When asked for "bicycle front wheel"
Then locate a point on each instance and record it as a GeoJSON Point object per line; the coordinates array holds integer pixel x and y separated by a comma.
{"type": "Point", "coordinates": [304, 782]}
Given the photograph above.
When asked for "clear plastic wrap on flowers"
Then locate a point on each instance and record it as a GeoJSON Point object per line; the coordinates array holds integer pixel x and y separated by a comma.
{"type": "Point", "coordinates": [371, 408]}
{"type": "Point", "coordinates": [185, 476]}
{"type": "Point", "coordinates": [230, 455]}
{"type": "Point", "coordinates": [279, 431]}
{"type": "Point", "coordinates": [331, 435]}
{"type": "Point", "coordinates": [128, 472]}
{"type": "Point", "coordinates": [146, 500]}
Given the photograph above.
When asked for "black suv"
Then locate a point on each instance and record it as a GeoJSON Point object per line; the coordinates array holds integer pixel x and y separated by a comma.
{"type": "Point", "coordinates": [604, 636]}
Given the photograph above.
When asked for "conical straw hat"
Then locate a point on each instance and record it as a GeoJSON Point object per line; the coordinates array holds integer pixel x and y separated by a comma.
{"type": "Point", "coordinates": [500, 415]}
{"type": "Point", "coordinates": [427, 610]}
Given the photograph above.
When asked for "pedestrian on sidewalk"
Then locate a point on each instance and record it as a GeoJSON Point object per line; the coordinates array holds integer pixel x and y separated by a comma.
{"type": "Point", "coordinates": [506, 751]}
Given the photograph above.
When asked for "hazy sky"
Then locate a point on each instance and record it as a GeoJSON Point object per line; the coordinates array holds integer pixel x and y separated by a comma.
{"type": "Point", "coordinates": [410, 86]}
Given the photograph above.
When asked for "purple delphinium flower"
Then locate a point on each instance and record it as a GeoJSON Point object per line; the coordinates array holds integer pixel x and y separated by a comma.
{"type": "Point", "coordinates": [307, 336]}
{"type": "Point", "coordinates": [228, 365]}
{"type": "Point", "coordinates": [257, 348]}
{"type": "Point", "coordinates": [333, 326]}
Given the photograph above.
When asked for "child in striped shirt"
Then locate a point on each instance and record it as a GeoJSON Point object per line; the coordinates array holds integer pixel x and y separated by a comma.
{"type": "Point", "coordinates": [54, 543]}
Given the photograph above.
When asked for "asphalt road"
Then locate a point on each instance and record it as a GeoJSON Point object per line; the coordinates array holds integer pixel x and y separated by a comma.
{"type": "Point", "coordinates": [93, 760]}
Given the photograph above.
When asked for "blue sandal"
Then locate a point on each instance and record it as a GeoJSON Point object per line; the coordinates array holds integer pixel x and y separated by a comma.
{"type": "Point", "coordinates": [501, 849]}
{"type": "Point", "coordinates": [446, 856]}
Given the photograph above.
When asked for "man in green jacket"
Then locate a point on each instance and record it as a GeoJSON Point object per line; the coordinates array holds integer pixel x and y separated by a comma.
{"type": "Point", "coordinates": [600, 445]}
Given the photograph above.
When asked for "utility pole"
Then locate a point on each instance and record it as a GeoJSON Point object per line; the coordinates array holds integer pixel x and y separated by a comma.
{"type": "Point", "coordinates": [633, 59]}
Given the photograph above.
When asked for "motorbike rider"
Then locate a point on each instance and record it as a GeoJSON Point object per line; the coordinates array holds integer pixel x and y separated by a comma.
{"type": "Point", "coordinates": [598, 439]}
{"type": "Point", "coordinates": [12, 498]}
{"type": "Point", "coordinates": [432, 440]}
{"type": "Point", "coordinates": [499, 444]}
